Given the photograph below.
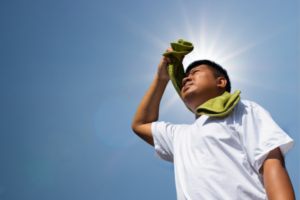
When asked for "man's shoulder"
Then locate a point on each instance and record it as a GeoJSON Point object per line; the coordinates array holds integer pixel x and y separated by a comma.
{"type": "Point", "coordinates": [169, 125]}
{"type": "Point", "coordinates": [248, 104]}
{"type": "Point", "coordinates": [245, 106]}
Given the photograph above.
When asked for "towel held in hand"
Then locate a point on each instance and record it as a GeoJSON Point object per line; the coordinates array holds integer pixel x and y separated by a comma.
{"type": "Point", "coordinates": [219, 106]}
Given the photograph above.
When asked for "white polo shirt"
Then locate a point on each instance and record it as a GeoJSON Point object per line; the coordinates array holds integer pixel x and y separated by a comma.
{"type": "Point", "coordinates": [219, 158]}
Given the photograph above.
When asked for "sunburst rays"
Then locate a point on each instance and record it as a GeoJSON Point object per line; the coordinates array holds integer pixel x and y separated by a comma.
{"type": "Point", "coordinates": [219, 46]}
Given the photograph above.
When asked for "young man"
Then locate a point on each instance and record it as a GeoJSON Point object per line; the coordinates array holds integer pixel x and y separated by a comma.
{"type": "Point", "coordinates": [239, 156]}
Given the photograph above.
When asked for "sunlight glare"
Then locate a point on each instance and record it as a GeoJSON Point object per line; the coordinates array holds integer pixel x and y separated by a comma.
{"type": "Point", "coordinates": [219, 47]}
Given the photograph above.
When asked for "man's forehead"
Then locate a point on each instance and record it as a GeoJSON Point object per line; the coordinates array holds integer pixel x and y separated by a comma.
{"type": "Point", "coordinates": [197, 67]}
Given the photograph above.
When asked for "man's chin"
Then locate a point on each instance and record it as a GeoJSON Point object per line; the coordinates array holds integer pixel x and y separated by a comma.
{"type": "Point", "coordinates": [187, 97]}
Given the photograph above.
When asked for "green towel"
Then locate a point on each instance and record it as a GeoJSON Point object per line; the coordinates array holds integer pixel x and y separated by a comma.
{"type": "Point", "coordinates": [175, 68]}
{"type": "Point", "coordinates": [219, 106]}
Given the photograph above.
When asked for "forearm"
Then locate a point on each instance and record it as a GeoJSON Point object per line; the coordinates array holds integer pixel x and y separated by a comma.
{"type": "Point", "coordinates": [148, 109]}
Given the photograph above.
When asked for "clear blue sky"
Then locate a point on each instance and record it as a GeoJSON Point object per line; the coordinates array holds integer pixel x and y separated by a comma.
{"type": "Point", "coordinates": [73, 72]}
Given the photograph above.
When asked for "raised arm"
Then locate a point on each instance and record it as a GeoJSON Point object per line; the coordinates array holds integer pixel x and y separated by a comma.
{"type": "Point", "coordinates": [276, 179]}
{"type": "Point", "coordinates": [148, 109]}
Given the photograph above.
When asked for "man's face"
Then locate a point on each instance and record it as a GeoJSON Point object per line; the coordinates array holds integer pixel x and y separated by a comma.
{"type": "Point", "coordinates": [199, 85]}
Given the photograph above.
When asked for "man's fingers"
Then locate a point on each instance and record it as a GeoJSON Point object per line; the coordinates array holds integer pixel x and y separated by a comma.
{"type": "Point", "coordinates": [166, 60]}
{"type": "Point", "coordinates": [169, 49]}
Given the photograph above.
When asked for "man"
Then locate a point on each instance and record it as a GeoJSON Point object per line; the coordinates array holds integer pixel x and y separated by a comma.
{"type": "Point", "coordinates": [240, 156]}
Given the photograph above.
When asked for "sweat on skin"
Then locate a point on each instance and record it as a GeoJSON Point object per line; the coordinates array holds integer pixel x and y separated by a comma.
{"type": "Point", "coordinates": [212, 144]}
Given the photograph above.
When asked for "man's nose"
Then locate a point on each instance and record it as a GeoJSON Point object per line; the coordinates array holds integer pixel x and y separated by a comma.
{"type": "Point", "coordinates": [184, 80]}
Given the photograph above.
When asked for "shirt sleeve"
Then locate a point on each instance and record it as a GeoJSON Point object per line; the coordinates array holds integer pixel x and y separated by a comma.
{"type": "Point", "coordinates": [163, 135]}
{"type": "Point", "coordinates": [260, 134]}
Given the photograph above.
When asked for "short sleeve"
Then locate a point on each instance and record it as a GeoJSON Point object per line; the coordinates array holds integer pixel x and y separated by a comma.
{"type": "Point", "coordinates": [260, 134]}
{"type": "Point", "coordinates": [163, 135]}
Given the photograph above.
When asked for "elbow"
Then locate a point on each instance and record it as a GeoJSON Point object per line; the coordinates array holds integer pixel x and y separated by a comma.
{"type": "Point", "coordinates": [137, 128]}
{"type": "Point", "coordinates": [134, 127]}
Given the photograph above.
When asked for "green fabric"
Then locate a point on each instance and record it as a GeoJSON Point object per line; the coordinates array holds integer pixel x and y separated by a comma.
{"type": "Point", "coordinates": [175, 68]}
{"type": "Point", "coordinates": [219, 106]}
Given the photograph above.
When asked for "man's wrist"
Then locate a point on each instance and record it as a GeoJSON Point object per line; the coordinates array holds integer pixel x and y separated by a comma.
{"type": "Point", "coordinates": [162, 79]}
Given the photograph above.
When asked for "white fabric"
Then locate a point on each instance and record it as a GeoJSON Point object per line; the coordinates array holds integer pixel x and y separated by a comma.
{"type": "Point", "coordinates": [219, 158]}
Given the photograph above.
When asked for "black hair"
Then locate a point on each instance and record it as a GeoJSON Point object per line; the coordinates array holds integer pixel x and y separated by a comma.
{"type": "Point", "coordinates": [216, 69]}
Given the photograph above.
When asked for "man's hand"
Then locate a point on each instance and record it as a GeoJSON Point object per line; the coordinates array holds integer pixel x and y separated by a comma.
{"type": "Point", "coordinates": [276, 179]}
{"type": "Point", "coordinates": [162, 72]}
{"type": "Point", "coordinates": [148, 109]}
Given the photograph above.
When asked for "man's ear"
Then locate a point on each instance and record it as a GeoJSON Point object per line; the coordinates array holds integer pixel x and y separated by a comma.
{"type": "Point", "coordinates": [221, 82]}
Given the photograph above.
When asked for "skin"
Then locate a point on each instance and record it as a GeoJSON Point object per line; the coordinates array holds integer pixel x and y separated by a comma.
{"type": "Point", "coordinates": [276, 178]}
{"type": "Point", "coordinates": [200, 85]}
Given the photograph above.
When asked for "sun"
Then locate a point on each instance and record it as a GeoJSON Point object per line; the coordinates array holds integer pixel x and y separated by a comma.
{"type": "Point", "coordinates": [219, 47]}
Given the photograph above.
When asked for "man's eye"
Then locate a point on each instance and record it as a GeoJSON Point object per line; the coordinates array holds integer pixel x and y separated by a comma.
{"type": "Point", "coordinates": [195, 71]}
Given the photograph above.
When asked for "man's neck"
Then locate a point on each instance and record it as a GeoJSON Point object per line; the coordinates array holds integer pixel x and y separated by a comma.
{"type": "Point", "coordinates": [197, 116]}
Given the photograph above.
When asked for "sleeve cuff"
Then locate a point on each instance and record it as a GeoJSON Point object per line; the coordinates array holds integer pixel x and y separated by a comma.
{"type": "Point", "coordinates": [285, 147]}
{"type": "Point", "coordinates": [159, 152]}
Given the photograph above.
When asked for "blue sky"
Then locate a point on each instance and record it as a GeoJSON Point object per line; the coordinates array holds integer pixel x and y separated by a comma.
{"type": "Point", "coordinates": [72, 74]}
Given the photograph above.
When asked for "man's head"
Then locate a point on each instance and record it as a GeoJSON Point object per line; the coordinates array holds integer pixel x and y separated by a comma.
{"type": "Point", "coordinates": [203, 80]}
